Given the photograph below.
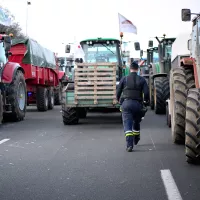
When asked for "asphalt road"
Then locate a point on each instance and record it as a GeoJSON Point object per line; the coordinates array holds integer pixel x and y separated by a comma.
{"type": "Point", "coordinates": [45, 160]}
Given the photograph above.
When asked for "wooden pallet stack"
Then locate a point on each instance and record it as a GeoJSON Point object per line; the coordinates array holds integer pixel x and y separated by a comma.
{"type": "Point", "coordinates": [94, 81]}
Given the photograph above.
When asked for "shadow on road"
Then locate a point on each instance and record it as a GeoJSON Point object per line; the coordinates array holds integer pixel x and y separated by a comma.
{"type": "Point", "coordinates": [99, 118]}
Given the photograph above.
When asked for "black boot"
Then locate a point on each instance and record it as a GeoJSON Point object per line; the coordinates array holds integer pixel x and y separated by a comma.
{"type": "Point", "coordinates": [129, 143]}
{"type": "Point", "coordinates": [136, 139]}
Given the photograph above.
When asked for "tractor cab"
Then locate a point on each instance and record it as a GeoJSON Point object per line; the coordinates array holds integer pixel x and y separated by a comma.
{"type": "Point", "coordinates": [164, 51]}
{"type": "Point", "coordinates": [194, 43]}
{"type": "Point", "coordinates": [162, 54]}
{"type": "Point", "coordinates": [5, 45]}
{"type": "Point", "coordinates": [100, 50]}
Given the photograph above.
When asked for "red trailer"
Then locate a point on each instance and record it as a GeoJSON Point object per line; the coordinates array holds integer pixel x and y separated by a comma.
{"type": "Point", "coordinates": [41, 72]}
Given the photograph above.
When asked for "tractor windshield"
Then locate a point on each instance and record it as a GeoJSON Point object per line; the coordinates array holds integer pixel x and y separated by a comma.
{"type": "Point", "coordinates": [101, 52]}
{"type": "Point", "coordinates": [3, 58]}
{"type": "Point", "coordinates": [168, 51]}
{"type": "Point", "coordinates": [155, 57]}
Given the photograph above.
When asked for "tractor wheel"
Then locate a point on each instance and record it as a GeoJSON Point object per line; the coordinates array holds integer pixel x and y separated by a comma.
{"type": "Point", "coordinates": [168, 116]}
{"type": "Point", "coordinates": [161, 94]}
{"type": "Point", "coordinates": [58, 95]}
{"type": "Point", "coordinates": [189, 72]}
{"type": "Point", "coordinates": [151, 94]}
{"type": "Point", "coordinates": [192, 127]}
{"type": "Point", "coordinates": [50, 99]}
{"type": "Point", "coordinates": [17, 97]}
{"type": "Point", "coordinates": [70, 116]}
{"type": "Point", "coordinates": [82, 112]}
{"type": "Point", "coordinates": [178, 95]}
{"type": "Point", "coordinates": [42, 99]}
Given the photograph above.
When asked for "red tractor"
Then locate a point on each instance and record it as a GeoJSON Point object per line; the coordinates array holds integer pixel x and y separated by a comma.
{"type": "Point", "coordinates": [41, 71]}
{"type": "Point", "coordinates": [12, 85]}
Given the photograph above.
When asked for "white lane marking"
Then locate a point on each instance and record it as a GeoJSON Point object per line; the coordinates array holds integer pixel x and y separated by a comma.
{"type": "Point", "coordinates": [4, 140]}
{"type": "Point", "coordinates": [170, 185]}
{"type": "Point", "coordinates": [152, 142]}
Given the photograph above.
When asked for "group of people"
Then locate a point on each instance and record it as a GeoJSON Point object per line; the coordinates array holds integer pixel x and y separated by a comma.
{"type": "Point", "coordinates": [133, 96]}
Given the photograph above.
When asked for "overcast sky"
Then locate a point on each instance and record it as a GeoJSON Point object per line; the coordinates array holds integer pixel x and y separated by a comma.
{"type": "Point", "coordinates": [53, 22]}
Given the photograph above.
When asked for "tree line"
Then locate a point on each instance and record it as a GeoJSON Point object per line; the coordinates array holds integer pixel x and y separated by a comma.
{"type": "Point", "coordinates": [14, 28]}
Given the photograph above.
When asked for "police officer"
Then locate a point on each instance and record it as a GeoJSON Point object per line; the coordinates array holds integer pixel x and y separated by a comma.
{"type": "Point", "coordinates": [133, 87]}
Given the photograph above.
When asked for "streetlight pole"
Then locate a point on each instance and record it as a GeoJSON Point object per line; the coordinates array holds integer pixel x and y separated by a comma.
{"type": "Point", "coordinates": [28, 3]}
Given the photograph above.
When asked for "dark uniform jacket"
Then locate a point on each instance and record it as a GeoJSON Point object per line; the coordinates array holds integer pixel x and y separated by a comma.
{"type": "Point", "coordinates": [133, 87]}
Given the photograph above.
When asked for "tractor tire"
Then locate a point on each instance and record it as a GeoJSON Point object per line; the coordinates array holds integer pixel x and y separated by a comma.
{"type": "Point", "coordinates": [58, 95]}
{"type": "Point", "coordinates": [51, 99]}
{"type": "Point", "coordinates": [168, 116]}
{"type": "Point", "coordinates": [17, 97]}
{"type": "Point", "coordinates": [192, 127]}
{"type": "Point", "coordinates": [42, 99]}
{"type": "Point", "coordinates": [70, 116]}
{"type": "Point", "coordinates": [161, 94]}
{"type": "Point", "coordinates": [151, 94]}
{"type": "Point", "coordinates": [178, 95]}
{"type": "Point", "coordinates": [82, 112]}
{"type": "Point", "coordinates": [189, 72]}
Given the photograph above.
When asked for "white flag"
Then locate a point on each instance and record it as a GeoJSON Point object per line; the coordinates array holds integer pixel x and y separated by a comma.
{"type": "Point", "coordinates": [78, 51]}
{"type": "Point", "coordinates": [126, 25]}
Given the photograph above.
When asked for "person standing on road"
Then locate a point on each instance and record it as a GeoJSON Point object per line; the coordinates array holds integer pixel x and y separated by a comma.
{"type": "Point", "coordinates": [133, 87]}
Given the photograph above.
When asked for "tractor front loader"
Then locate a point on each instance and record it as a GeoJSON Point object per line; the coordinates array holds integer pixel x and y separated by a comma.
{"type": "Point", "coordinates": [185, 94]}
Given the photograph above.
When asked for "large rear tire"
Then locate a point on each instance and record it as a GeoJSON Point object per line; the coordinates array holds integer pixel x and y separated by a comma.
{"type": "Point", "coordinates": [17, 97]}
{"type": "Point", "coordinates": [42, 99]}
{"type": "Point", "coordinates": [192, 127]}
{"type": "Point", "coordinates": [70, 116]}
{"type": "Point", "coordinates": [178, 95]}
{"type": "Point", "coordinates": [189, 72]}
{"type": "Point", "coordinates": [161, 94]}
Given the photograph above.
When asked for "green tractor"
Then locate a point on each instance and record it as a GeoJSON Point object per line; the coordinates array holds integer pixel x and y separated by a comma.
{"type": "Point", "coordinates": [95, 79]}
{"type": "Point", "coordinates": [159, 61]}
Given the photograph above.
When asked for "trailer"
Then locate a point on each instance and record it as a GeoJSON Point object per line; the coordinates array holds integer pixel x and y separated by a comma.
{"type": "Point", "coordinates": [41, 71]}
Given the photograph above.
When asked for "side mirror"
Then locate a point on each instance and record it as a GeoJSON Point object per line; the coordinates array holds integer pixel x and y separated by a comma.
{"type": "Point", "coordinates": [141, 53]}
{"type": "Point", "coordinates": [137, 46]}
{"type": "Point", "coordinates": [189, 44]}
{"type": "Point", "coordinates": [67, 48]}
{"type": "Point", "coordinates": [150, 43]}
{"type": "Point", "coordinates": [186, 15]}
